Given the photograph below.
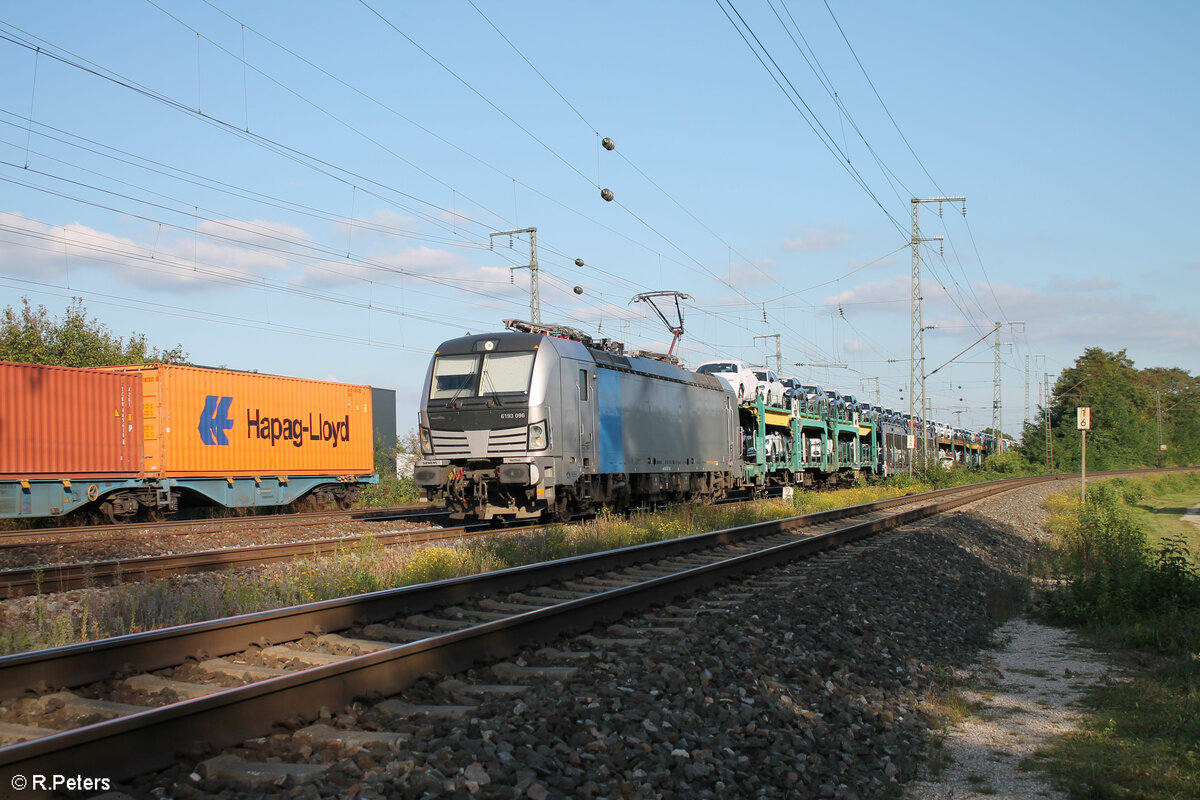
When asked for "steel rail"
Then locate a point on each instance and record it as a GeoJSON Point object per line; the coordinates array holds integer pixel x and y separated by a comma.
{"type": "Point", "coordinates": [61, 666]}
{"type": "Point", "coordinates": [23, 581]}
{"type": "Point", "coordinates": [20, 581]}
{"type": "Point", "coordinates": [10, 538]}
{"type": "Point", "coordinates": [122, 748]}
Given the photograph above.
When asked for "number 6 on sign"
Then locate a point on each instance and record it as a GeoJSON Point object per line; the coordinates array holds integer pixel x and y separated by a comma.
{"type": "Point", "coordinates": [1085, 419]}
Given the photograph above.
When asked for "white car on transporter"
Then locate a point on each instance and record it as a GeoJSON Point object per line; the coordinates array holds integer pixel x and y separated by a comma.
{"type": "Point", "coordinates": [739, 376]}
{"type": "Point", "coordinates": [770, 385]}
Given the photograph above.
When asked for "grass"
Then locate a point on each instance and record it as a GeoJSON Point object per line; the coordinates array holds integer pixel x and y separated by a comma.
{"type": "Point", "coordinates": [1128, 578]}
{"type": "Point", "coordinates": [48, 620]}
{"type": "Point", "coordinates": [1160, 502]}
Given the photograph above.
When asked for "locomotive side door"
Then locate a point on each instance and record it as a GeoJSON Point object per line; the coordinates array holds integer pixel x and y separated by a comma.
{"type": "Point", "coordinates": [567, 422]}
{"type": "Point", "coordinates": [585, 390]}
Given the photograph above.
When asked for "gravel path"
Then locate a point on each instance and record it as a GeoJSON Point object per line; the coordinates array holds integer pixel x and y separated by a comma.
{"type": "Point", "coordinates": [1192, 516]}
{"type": "Point", "coordinates": [1028, 691]}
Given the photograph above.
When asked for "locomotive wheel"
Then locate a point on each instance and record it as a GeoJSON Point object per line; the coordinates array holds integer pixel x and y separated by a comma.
{"type": "Point", "coordinates": [561, 510]}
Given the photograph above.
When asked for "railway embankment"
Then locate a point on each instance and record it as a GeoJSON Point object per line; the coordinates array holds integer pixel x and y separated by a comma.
{"type": "Point", "coordinates": [815, 679]}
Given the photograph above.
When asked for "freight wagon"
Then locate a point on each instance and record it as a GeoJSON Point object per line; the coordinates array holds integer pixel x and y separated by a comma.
{"type": "Point", "coordinates": [147, 439]}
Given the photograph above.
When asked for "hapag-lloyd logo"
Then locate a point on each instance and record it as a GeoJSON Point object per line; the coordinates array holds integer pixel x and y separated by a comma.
{"type": "Point", "coordinates": [214, 421]}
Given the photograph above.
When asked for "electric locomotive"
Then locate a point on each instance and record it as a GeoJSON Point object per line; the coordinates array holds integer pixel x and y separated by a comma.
{"type": "Point", "coordinates": [542, 420]}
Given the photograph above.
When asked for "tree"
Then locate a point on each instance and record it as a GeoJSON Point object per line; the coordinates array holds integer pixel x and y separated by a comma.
{"type": "Point", "coordinates": [32, 336]}
{"type": "Point", "coordinates": [1125, 405]}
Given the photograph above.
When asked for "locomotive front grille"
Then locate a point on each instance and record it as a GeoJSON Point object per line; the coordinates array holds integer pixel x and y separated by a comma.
{"type": "Point", "coordinates": [479, 444]}
{"type": "Point", "coordinates": [448, 444]}
{"type": "Point", "coordinates": [510, 441]}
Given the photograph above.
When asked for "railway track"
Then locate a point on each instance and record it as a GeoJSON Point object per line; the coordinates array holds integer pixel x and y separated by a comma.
{"type": "Point", "coordinates": [35, 537]}
{"type": "Point", "coordinates": [22, 581]}
{"type": "Point", "coordinates": [124, 706]}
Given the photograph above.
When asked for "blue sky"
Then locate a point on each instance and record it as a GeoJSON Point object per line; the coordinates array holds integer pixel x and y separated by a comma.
{"type": "Point", "coordinates": [308, 188]}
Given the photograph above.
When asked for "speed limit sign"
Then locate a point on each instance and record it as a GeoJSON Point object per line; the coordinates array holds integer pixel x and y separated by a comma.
{"type": "Point", "coordinates": [1084, 422]}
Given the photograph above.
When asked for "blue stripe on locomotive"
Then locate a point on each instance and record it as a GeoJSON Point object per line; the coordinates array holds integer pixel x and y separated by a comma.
{"type": "Point", "coordinates": [608, 406]}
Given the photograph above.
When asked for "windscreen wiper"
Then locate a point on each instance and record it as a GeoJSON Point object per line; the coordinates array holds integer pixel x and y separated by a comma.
{"type": "Point", "coordinates": [487, 378]}
{"type": "Point", "coordinates": [459, 390]}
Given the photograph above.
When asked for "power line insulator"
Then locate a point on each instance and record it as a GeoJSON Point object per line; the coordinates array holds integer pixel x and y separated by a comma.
{"type": "Point", "coordinates": [578, 290]}
{"type": "Point", "coordinates": [608, 144]}
{"type": "Point", "coordinates": [579, 262]}
{"type": "Point", "coordinates": [607, 195]}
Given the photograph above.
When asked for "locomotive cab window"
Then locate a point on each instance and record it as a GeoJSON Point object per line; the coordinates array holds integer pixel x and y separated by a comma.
{"type": "Point", "coordinates": [475, 375]}
{"type": "Point", "coordinates": [454, 376]}
{"type": "Point", "coordinates": [583, 384]}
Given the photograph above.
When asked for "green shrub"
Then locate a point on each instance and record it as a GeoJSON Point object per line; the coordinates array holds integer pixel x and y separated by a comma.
{"type": "Point", "coordinates": [1113, 582]}
{"type": "Point", "coordinates": [1010, 463]}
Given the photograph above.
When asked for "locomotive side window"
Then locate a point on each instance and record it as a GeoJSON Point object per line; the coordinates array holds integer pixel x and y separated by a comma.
{"type": "Point", "coordinates": [583, 384]}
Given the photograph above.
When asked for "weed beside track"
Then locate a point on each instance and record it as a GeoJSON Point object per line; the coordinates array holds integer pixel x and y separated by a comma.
{"type": "Point", "coordinates": [50, 620]}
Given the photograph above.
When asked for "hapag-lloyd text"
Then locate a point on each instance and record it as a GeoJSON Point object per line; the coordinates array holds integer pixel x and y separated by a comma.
{"type": "Point", "coordinates": [296, 430]}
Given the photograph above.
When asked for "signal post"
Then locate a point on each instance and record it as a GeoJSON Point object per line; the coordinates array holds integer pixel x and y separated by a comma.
{"type": "Point", "coordinates": [1084, 423]}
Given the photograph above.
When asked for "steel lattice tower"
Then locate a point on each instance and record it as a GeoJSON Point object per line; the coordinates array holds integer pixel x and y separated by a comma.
{"type": "Point", "coordinates": [916, 373]}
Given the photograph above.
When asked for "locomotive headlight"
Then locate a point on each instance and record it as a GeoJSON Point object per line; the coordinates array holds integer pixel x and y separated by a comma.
{"type": "Point", "coordinates": [426, 442]}
{"type": "Point", "coordinates": [537, 436]}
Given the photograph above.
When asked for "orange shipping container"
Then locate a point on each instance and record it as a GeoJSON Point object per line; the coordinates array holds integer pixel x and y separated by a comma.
{"type": "Point", "coordinates": [216, 423]}
{"type": "Point", "coordinates": [62, 422]}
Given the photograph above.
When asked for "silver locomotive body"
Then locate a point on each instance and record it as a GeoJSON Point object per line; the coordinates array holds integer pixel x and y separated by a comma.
{"type": "Point", "coordinates": [517, 425]}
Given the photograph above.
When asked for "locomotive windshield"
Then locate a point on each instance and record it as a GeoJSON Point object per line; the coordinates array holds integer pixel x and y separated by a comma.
{"type": "Point", "coordinates": [476, 374]}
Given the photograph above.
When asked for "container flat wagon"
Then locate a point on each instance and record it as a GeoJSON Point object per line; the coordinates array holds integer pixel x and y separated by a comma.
{"type": "Point", "coordinates": [185, 435]}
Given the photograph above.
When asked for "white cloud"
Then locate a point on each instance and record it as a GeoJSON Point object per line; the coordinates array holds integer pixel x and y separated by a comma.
{"type": "Point", "coordinates": [259, 233]}
{"type": "Point", "coordinates": [816, 240]}
{"type": "Point", "coordinates": [169, 260]}
{"type": "Point", "coordinates": [375, 226]}
{"type": "Point", "coordinates": [1078, 319]}
{"type": "Point", "coordinates": [877, 292]}
{"type": "Point", "coordinates": [751, 272]}
{"type": "Point", "coordinates": [388, 267]}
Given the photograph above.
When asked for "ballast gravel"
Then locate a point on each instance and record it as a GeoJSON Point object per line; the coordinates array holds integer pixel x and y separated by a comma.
{"type": "Point", "coordinates": [808, 681]}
